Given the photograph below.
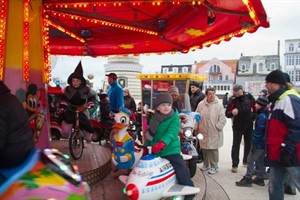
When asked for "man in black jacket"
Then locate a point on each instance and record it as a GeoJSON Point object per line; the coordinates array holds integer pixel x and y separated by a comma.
{"type": "Point", "coordinates": [241, 108]}
{"type": "Point", "coordinates": [16, 138]}
{"type": "Point", "coordinates": [196, 95]}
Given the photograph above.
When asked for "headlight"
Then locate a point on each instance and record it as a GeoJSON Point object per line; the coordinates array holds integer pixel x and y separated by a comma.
{"type": "Point", "coordinates": [188, 133]}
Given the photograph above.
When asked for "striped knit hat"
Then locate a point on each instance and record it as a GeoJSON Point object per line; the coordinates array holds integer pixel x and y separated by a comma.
{"type": "Point", "coordinates": [173, 90]}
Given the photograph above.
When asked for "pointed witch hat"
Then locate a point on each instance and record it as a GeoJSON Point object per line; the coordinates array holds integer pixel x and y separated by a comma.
{"type": "Point", "coordinates": [78, 73]}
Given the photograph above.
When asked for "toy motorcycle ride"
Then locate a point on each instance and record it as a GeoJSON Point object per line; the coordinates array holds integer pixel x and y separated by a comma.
{"type": "Point", "coordinates": [45, 174]}
{"type": "Point", "coordinates": [154, 178]}
{"type": "Point", "coordinates": [188, 141]}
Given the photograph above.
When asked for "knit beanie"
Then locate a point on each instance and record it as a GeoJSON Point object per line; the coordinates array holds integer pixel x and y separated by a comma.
{"type": "Point", "coordinates": [264, 91]}
{"type": "Point", "coordinates": [287, 76]}
{"type": "Point", "coordinates": [126, 90]}
{"type": "Point", "coordinates": [102, 96]}
{"type": "Point", "coordinates": [164, 98]}
{"type": "Point", "coordinates": [194, 83]}
{"type": "Point", "coordinates": [262, 101]}
{"type": "Point", "coordinates": [276, 76]}
{"type": "Point", "coordinates": [78, 73]}
{"type": "Point", "coordinates": [173, 90]}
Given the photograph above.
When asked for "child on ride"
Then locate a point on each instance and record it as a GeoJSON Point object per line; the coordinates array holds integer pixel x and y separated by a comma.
{"type": "Point", "coordinates": [163, 137]}
{"type": "Point", "coordinates": [77, 94]}
{"type": "Point", "coordinates": [105, 111]}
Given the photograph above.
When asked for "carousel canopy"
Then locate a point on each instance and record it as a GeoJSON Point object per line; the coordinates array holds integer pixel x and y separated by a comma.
{"type": "Point", "coordinates": [102, 28]}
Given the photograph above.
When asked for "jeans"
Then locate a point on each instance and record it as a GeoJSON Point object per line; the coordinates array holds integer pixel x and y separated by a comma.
{"type": "Point", "coordinates": [277, 177]}
{"type": "Point", "coordinates": [235, 150]}
{"type": "Point", "coordinates": [257, 157]}
{"type": "Point", "coordinates": [182, 172]}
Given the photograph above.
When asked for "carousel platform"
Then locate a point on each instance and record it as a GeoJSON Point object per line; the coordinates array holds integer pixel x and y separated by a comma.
{"type": "Point", "coordinates": [95, 168]}
{"type": "Point", "coordinates": [94, 165]}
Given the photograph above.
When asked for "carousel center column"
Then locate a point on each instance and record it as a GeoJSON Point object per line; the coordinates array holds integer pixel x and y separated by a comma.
{"type": "Point", "coordinates": [24, 64]}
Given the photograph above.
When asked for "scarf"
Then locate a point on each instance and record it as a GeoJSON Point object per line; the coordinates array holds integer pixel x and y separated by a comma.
{"type": "Point", "coordinates": [157, 119]}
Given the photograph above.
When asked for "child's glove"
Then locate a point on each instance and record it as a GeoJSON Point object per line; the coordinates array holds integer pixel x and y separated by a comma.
{"type": "Point", "coordinates": [90, 104]}
{"type": "Point", "coordinates": [63, 104]}
{"type": "Point", "coordinates": [158, 147]}
{"type": "Point", "coordinates": [284, 158]}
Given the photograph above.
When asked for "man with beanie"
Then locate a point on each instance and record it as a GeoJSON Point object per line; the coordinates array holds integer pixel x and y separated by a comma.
{"type": "Point", "coordinates": [163, 137]}
{"type": "Point", "coordinates": [16, 138]}
{"type": "Point", "coordinates": [115, 92]}
{"type": "Point", "coordinates": [257, 152]}
{"type": "Point", "coordinates": [196, 95]}
{"type": "Point", "coordinates": [241, 108]}
{"type": "Point", "coordinates": [282, 134]}
{"type": "Point", "coordinates": [77, 94]}
{"type": "Point", "coordinates": [195, 98]}
{"type": "Point", "coordinates": [174, 92]}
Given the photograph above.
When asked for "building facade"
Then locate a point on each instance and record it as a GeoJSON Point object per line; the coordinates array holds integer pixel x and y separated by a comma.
{"type": "Point", "coordinates": [176, 69]}
{"type": "Point", "coordinates": [252, 71]}
{"type": "Point", "coordinates": [220, 74]}
{"type": "Point", "coordinates": [292, 60]}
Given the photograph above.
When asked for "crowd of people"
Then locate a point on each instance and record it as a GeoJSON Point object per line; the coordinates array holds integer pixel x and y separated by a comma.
{"type": "Point", "coordinates": [269, 127]}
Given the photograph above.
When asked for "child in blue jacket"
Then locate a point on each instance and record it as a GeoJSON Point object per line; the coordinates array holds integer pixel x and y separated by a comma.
{"type": "Point", "coordinates": [257, 152]}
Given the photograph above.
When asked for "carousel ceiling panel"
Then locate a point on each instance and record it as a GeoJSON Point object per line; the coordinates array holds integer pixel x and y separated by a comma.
{"type": "Point", "coordinates": [102, 28]}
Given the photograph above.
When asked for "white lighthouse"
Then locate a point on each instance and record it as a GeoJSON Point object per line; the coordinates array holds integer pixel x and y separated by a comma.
{"type": "Point", "coordinates": [126, 68]}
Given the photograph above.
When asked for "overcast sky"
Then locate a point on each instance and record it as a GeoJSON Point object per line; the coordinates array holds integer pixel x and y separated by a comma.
{"type": "Point", "coordinates": [284, 18]}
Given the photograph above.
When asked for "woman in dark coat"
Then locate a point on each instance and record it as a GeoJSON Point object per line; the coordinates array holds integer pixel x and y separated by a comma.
{"type": "Point", "coordinates": [129, 101]}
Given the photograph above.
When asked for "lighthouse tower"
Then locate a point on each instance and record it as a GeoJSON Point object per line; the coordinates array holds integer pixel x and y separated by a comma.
{"type": "Point", "coordinates": [126, 68]}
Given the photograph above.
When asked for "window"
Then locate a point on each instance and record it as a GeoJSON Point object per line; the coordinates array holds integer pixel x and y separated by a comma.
{"type": "Point", "coordinates": [261, 67]}
{"type": "Point", "coordinates": [214, 69]}
{"type": "Point", "coordinates": [243, 67]}
{"type": "Point", "coordinates": [289, 61]}
{"type": "Point", "coordinates": [272, 66]}
{"type": "Point", "coordinates": [226, 77]}
{"type": "Point", "coordinates": [175, 70]}
{"type": "Point", "coordinates": [165, 70]}
{"type": "Point", "coordinates": [297, 62]}
{"type": "Point", "coordinates": [185, 70]}
{"type": "Point", "coordinates": [291, 47]}
{"type": "Point", "coordinates": [220, 77]}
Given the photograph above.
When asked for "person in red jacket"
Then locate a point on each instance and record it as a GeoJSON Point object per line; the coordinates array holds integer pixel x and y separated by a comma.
{"type": "Point", "coordinates": [282, 134]}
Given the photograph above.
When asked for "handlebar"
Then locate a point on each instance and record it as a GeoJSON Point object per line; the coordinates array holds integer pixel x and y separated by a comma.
{"type": "Point", "coordinates": [74, 108]}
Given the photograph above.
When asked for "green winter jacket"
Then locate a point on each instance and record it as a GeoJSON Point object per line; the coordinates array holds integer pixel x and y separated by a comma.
{"type": "Point", "coordinates": [167, 132]}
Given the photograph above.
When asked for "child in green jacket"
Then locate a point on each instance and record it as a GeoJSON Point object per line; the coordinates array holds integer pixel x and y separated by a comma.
{"type": "Point", "coordinates": [163, 137]}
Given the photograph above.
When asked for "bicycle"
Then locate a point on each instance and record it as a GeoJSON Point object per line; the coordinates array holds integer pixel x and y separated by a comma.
{"type": "Point", "coordinates": [76, 143]}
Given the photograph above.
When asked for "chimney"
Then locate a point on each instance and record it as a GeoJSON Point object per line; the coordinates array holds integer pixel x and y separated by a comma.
{"type": "Point", "coordinates": [278, 48]}
{"type": "Point", "coordinates": [278, 53]}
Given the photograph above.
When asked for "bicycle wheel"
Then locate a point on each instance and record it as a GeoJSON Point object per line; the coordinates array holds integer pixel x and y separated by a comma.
{"type": "Point", "coordinates": [76, 145]}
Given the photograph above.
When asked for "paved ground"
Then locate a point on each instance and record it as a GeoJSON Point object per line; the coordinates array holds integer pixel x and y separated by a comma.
{"type": "Point", "coordinates": [226, 179]}
{"type": "Point", "coordinates": [220, 186]}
